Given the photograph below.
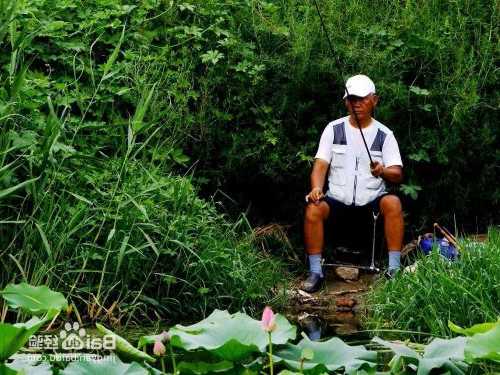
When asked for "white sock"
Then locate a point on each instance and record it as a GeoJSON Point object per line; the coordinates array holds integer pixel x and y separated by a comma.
{"type": "Point", "coordinates": [394, 260]}
{"type": "Point", "coordinates": [315, 264]}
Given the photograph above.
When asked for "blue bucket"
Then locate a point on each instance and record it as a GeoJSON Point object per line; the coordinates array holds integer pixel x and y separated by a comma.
{"type": "Point", "coordinates": [446, 249]}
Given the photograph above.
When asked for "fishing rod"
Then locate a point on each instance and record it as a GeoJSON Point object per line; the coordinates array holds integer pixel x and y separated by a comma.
{"type": "Point", "coordinates": [345, 86]}
{"type": "Point", "coordinates": [356, 119]}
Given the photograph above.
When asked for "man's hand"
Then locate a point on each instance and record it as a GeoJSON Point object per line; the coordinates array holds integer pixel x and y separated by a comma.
{"type": "Point", "coordinates": [315, 195]}
{"type": "Point", "coordinates": [377, 169]}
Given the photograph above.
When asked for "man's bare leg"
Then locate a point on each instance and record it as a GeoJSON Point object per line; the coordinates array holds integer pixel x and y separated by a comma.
{"type": "Point", "coordinates": [316, 214]}
{"type": "Point", "coordinates": [391, 210]}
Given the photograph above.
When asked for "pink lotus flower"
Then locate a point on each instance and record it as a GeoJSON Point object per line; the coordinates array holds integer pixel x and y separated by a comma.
{"type": "Point", "coordinates": [159, 349]}
{"type": "Point", "coordinates": [163, 337]}
{"type": "Point", "coordinates": [268, 320]}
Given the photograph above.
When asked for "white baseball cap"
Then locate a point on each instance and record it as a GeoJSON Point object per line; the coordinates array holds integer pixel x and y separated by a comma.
{"type": "Point", "coordinates": [359, 85]}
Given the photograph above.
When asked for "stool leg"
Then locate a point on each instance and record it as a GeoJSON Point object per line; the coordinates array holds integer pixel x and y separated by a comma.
{"type": "Point", "coordinates": [372, 265]}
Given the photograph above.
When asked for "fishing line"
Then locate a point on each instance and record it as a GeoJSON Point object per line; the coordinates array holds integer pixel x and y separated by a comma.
{"type": "Point", "coordinates": [345, 87]}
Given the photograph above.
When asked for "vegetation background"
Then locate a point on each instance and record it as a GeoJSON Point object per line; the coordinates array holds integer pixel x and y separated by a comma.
{"type": "Point", "coordinates": [126, 126]}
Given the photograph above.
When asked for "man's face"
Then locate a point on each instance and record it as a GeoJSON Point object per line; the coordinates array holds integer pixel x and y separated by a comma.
{"type": "Point", "coordinates": [362, 106]}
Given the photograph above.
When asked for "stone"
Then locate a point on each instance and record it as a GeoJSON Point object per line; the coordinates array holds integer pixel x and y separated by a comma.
{"type": "Point", "coordinates": [347, 273]}
{"type": "Point", "coordinates": [345, 302]}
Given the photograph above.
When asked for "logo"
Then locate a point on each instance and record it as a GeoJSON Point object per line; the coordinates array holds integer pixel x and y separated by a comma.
{"type": "Point", "coordinates": [74, 339]}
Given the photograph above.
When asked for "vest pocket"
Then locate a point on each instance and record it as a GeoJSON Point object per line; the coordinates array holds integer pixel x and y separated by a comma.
{"type": "Point", "coordinates": [338, 156]}
{"type": "Point", "coordinates": [374, 183]}
{"type": "Point", "coordinates": [338, 176]}
{"type": "Point", "coordinates": [337, 184]}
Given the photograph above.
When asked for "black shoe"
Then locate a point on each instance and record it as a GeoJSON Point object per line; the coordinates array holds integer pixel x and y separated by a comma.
{"type": "Point", "coordinates": [313, 283]}
{"type": "Point", "coordinates": [391, 274]}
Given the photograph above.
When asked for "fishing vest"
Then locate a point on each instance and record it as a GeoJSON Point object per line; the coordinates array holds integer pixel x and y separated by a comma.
{"type": "Point", "coordinates": [350, 180]}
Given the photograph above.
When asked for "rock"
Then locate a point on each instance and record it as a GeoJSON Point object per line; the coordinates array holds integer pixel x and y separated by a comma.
{"type": "Point", "coordinates": [347, 317]}
{"type": "Point", "coordinates": [347, 273]}
{"type": "Point", "coordinates": [305, 294]}
{"type": "Point", "coordinates": [411, 268]}
{"type": "Point", "coordinates": [343, 309]}
{"type": "Point", "coordinates": [345, 302]}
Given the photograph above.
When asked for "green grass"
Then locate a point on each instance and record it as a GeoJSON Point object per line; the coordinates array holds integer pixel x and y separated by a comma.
{"type": "Point", "coordinates": [142, 240]}
{"type": "Point", "coordinates": [465, 292]}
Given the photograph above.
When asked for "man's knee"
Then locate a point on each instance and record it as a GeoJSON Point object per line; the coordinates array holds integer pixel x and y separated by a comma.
{"type": "Point", "coordinates": [391, 205]}
{"type": "Point", "coordinates": [315, 212]}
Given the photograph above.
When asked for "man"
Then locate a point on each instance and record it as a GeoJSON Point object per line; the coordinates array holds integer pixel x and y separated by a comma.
{"type": "Point", "coordinates": [354, 184]}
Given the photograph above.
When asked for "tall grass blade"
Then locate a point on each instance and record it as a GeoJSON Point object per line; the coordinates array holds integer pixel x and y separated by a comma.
{"type": "Point", "coordinates": [142, 108]}
{"type": "Point", "coordinates": [52, 132]}
{"type": "Point", "coordinates": [150, 242]}
{"type": "Point", "coordinates": [6, 192]}
{"type": "Point", "coordinates": [18, 82]}
{"type": "Point", "coordinates": [45, 242]}
{"type": "Point", "coordinates": [121, 253]}
{"type": "Point", "coordinates": [112, 58]}
{"type": "Point", "coordinates": [81, 198]}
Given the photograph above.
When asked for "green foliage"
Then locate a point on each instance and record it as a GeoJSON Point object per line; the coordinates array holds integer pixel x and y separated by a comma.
{"type": "Point", "coordinates": [484, 342]}
{"type": "Point", "coordinates": [200, 368]}
{"type": "Point", "coordinates": [465, 292]}
{"type": "Point", "coordinates": [446, 355]}
{"type": "Point", "coordinates": [471, 331]}
{"type": "Point", "coordinates": [14, 336]}
{"type": "Point", "coordinates": [432, 63]}
{"type": "Point", "coordinates": [242, 341]}
{"type": "Point", "coordinates": [230, 337]}
{"type": "Point", "coordinates": [35, 300]}
{"type": "Point", "coordinates": [123, 348]}
{"type": "Point", "coordinates": [327, 356]}
{"type": "Point", "coordinates": [144, 240]}
{"type": "Point", "coordinates": [30, 368]}
{"type": "Point", "coordinates": [97, 104]}
{"type": "Point", "coordinates": [102, 104]}
{"type": "Point", "coordinates": [108, 365]}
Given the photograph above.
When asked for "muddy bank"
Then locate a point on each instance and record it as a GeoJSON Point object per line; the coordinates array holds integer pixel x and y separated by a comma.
{"type": "Point", "coordinates": [334, 310]}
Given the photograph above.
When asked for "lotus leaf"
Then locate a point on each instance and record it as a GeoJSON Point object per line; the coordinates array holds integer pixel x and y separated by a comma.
{"type": "Point", "coordinates": [484, 345]}
{"type": "Point", "coordinates": [36, 300]}
{"type": "Point", "coordinates": [330, 355]}
{"type": "Point", "coordinates": [230, 337]}
{"type": "Point", "coordinates": [147, 340]}
{"type": "Point", "coordinates": [439, 354]}
{"type": "Point", "coordinates": [202, 368]}
{"type": "Point", "coordinates": [446, 354]}
{"type": "Point", "coordinates": [30, 368]}
{"type": "Point", "coordinates": [108, 365]}
{"type": "Point", "coordinates": [14, 336]}
{"type": "Point", "coordinates": [477, 328]}
{"type": "Point", "coordinates": [124, 349]}
{"type": "Point", "coordinates": [4, 370]}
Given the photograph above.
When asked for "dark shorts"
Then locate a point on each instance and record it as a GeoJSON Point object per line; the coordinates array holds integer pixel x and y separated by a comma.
{"type": "Point", "coordinates": [351, 227]}
{"type": "Point", "coordinates": [339, 208]}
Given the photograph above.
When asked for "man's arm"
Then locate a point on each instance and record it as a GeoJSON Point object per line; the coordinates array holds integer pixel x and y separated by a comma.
{"type": "Point", "coordinates": [391, 157]}
{"type": "Point", "coordinates": [393, 174]}
{"type": "Point", "coordinates": [318, 176]}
